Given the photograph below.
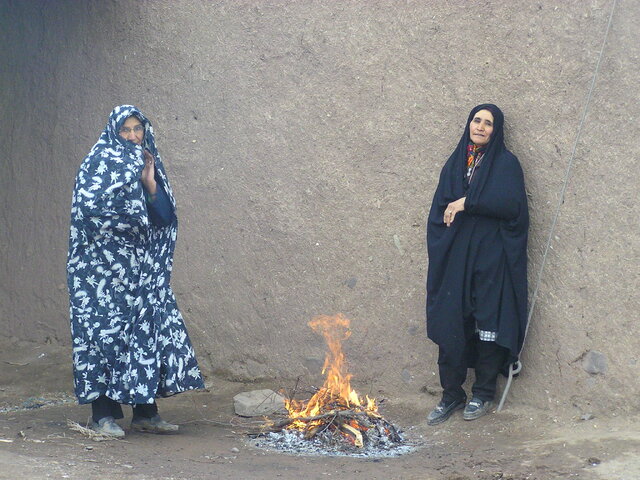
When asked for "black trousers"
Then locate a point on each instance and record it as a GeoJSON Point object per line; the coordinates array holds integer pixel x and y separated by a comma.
{"type": "Point", "coordinates": [103, 406]}
{"type": "Point", "coordinates": [490, 360]}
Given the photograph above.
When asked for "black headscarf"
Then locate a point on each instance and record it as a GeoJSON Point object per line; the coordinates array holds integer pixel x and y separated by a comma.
{"type": "Point", "coordinates": [495, 199]}
{"type": "Point", "coordinates": [455, 168]}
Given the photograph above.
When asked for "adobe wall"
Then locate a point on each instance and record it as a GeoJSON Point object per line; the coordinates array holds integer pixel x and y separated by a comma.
{"type": "Point", "coordinates": [304, 142]}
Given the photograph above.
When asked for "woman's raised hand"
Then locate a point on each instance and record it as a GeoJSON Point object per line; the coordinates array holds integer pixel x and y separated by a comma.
{"type": "Point", "coordinates": [452, 209]}
{"type": "Point", "coordinates": [148, 177]}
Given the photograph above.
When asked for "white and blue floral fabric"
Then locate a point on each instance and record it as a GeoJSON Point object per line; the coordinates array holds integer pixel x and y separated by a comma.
{"type": "Point", "coordinates": [129, 339]}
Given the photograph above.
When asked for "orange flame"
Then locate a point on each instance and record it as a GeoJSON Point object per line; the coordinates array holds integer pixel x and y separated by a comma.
{"type": "Point", "coordinates": [336, 392]}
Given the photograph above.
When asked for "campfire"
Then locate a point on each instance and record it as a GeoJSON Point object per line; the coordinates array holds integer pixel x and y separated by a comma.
{"type": "Point", "coordinates": [335, 419]}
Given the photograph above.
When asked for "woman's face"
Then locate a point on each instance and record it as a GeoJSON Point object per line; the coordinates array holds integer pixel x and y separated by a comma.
{"type": "Point", "coordinates": [132, 130]}
{"type": "Point", "coordinates": [481, 127]}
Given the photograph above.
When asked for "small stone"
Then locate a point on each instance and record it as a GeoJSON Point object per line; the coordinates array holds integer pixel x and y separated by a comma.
{"type": "Point", "coordinates": [257, 403]}
{"type": "Point", "coordinates": [594, 362]}
{"type": "Point", "coordinates": [587, 416]}
{"type": "Point", "coordinates": [235, 450]}
{"type": "Point", "coordinates": [396, 241]}
{"type": "Point", "coordinates": [433, 391]}
{"type": "Point", "coordinates": [351, 283]}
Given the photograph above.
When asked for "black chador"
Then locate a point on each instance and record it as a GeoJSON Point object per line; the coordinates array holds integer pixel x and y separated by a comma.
{"type": "Point", "coordinates": [477, 276]}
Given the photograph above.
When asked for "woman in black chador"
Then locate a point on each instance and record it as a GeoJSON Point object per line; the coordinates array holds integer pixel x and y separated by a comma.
{"type": "Point", "coordinates": [477, 278]}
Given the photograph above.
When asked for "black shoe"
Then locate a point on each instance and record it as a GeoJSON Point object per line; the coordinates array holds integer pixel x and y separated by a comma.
{"type": "Point", "coordinates": [443, 411]}
{"type": "Point", "coordinates": [476, 408]}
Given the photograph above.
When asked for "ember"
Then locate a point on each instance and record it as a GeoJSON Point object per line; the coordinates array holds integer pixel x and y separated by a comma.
{"type": "Point", "coordinates": [336, 419]}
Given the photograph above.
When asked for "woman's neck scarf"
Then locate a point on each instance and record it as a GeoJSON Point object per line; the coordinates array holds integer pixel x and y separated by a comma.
{"type": "Point", "coordinates": [474, 157]}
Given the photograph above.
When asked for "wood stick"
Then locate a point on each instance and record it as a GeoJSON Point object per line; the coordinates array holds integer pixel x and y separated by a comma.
{"type": "Point", "coordinates": [342, 413]}
{"type": "Point", "coordinates": [354, 433]}
{"type": "Point", "coordinates": [309, 433]}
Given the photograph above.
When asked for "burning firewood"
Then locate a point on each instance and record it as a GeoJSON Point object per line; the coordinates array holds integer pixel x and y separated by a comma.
{"type": "Point", "coordinates": [336, 415]}
{"type": "Point", "coordinates": [357, 435]}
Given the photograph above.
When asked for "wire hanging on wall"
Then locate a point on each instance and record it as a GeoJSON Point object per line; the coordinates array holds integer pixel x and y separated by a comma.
{"type": "Point", "coordinates": [517, 366]}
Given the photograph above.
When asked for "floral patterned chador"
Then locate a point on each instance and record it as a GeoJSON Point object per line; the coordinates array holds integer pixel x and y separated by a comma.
{"type": "Point", "coordinates": [129, 340]}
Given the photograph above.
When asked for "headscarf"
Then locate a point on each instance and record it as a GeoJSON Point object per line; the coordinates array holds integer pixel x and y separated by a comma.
{"type": "Point", "coordinates": [129, 339]}
{"type": "Point", "coordinates": [108, 183]}
{"type": "Point", "coordinates": [456, 166]}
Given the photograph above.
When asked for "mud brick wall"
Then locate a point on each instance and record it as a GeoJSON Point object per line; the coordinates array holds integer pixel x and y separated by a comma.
{"type": "Point", "coordinates": [304, 141]}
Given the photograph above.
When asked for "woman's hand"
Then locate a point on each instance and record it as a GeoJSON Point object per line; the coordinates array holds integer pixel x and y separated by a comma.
{"type": "Point", "coordinates": [148, 177]}
{"type": "Point", "coordinates": [452, 209]}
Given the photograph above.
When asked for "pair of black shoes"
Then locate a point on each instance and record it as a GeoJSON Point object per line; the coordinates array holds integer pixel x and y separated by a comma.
{"type": "Point", "coordinates": [476, 408]}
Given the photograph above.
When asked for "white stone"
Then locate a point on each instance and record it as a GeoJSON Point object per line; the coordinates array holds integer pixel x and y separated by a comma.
{"type": "Point", "coordinates": [257, 403]}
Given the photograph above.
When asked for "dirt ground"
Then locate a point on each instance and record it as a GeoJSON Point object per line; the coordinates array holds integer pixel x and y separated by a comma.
{"type": "Point", "coordinates": [518, 443]}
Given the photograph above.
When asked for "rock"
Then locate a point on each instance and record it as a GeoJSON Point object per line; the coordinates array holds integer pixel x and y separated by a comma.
{"type": "Point", "coordinates": [434, 391]}
{"type": "Point", "coordinates": [351, 283]}
{"type": "Point", "coordinates": [415, 330]}
{"type": "Point", "coordinates": [235, 450]}
{"type": "Point", "coordinates": [257, 403]}
{"type": "Point", "coordinates": [587, 416]}
{"type": "Point", "coordinates": [396, 241]}
{"type": "Point", "coordinates": [594, 362]}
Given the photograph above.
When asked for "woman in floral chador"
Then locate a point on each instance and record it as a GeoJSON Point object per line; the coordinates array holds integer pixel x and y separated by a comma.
{"type": "Point", "coordinates": [130, 344]}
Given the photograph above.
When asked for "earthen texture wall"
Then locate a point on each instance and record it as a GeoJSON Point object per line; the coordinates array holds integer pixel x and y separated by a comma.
{"type": "Point", "coordinates": [304, 140]}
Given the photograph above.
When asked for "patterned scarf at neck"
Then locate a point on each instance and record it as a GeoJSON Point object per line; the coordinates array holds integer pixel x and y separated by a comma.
{"type": "Point", "coordinates": [474, 156]}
